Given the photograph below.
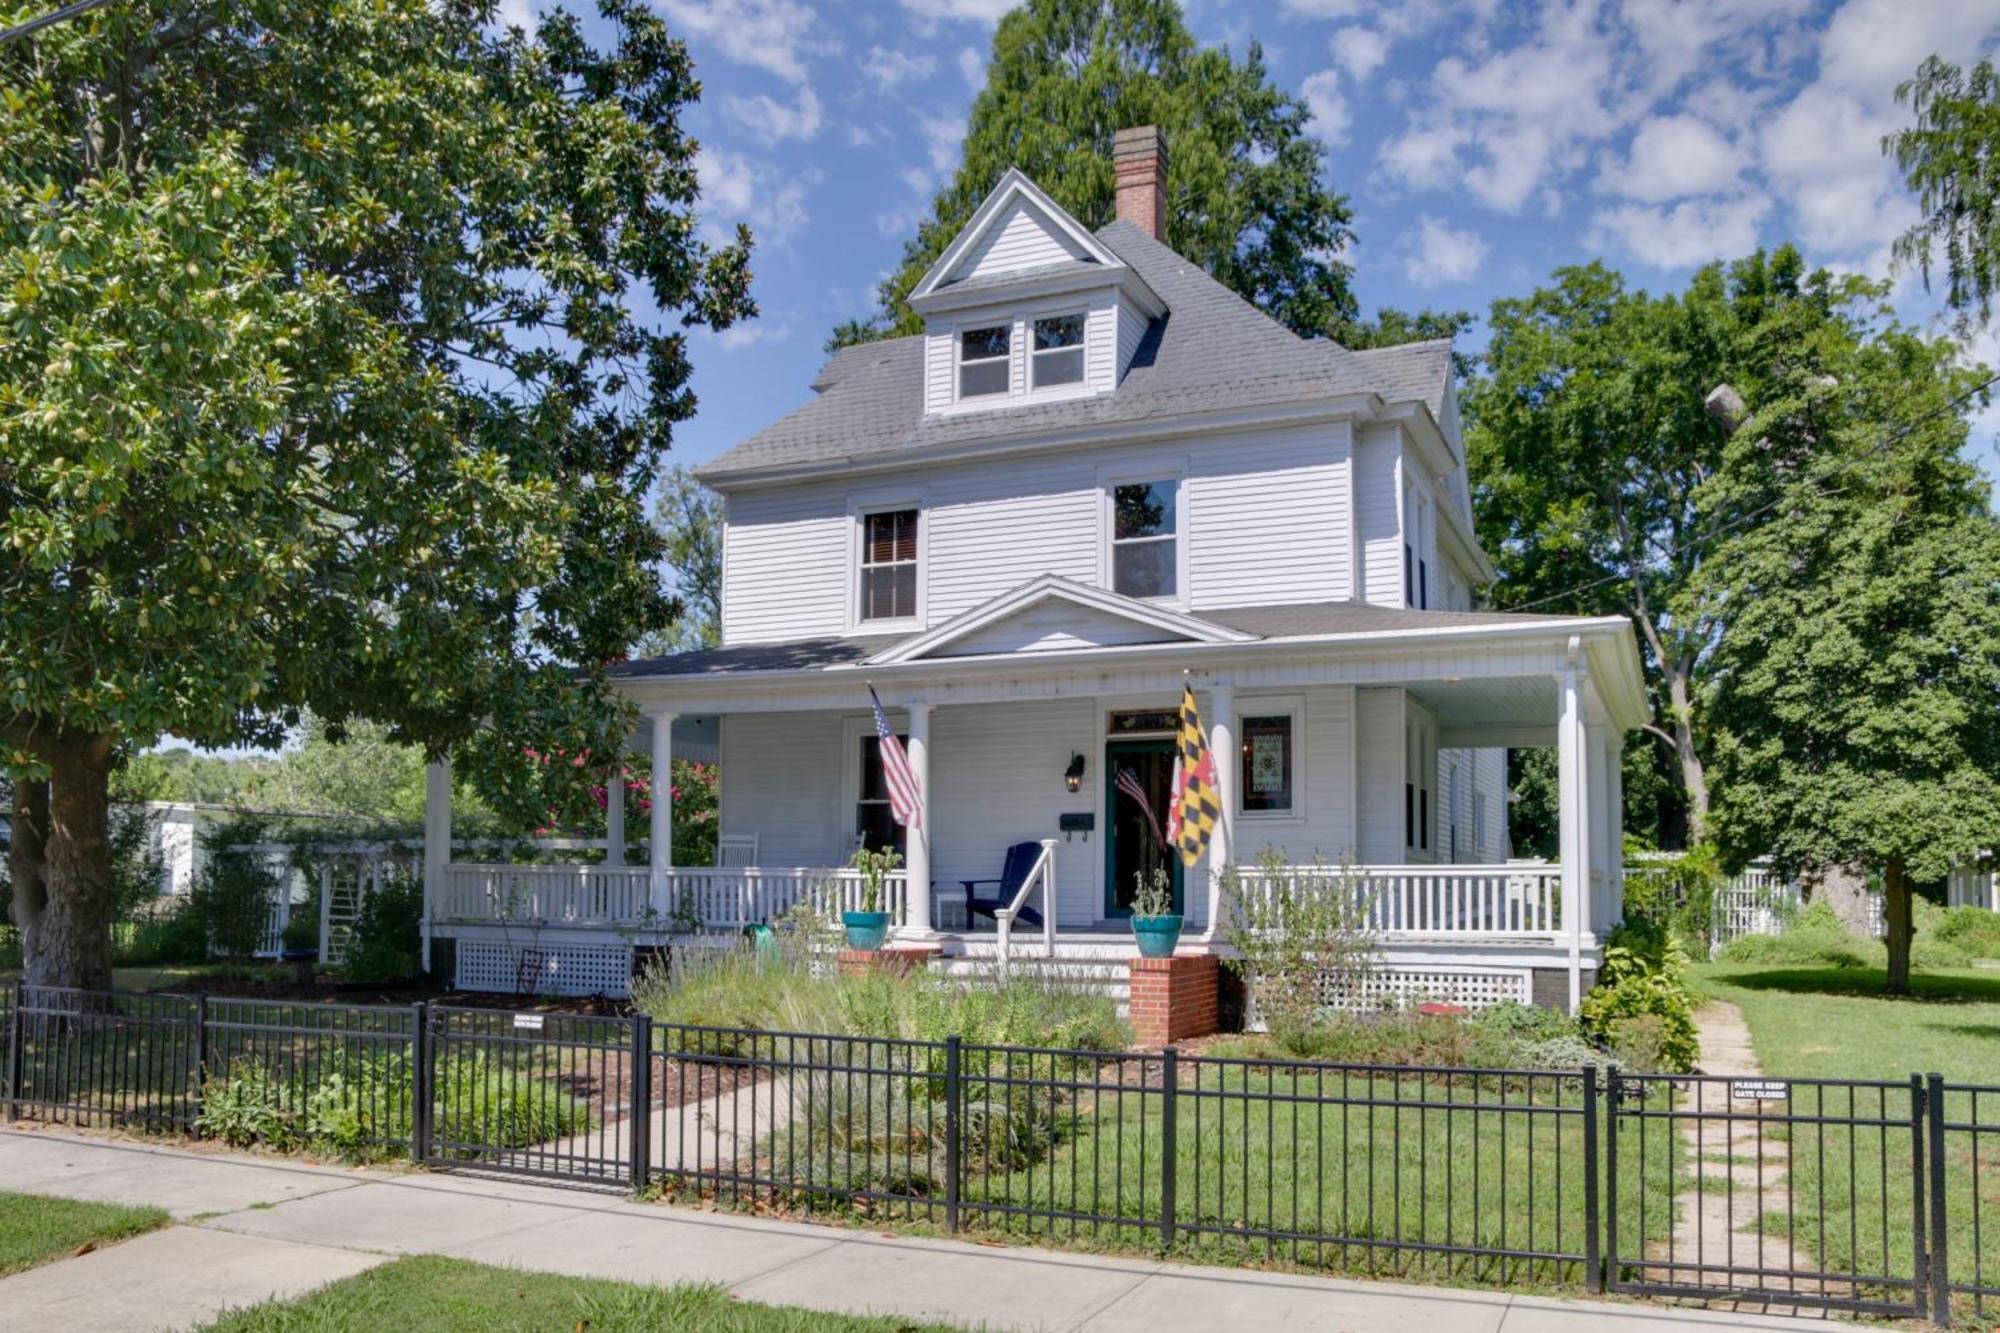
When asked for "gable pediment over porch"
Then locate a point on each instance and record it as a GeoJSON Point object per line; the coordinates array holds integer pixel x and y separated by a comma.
{"type": "Point", "coordinates": [1053, 614]}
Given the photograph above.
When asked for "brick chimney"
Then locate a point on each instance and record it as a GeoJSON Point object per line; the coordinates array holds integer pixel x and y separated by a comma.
{"type": "Point", "coordinates": [1139, 157]}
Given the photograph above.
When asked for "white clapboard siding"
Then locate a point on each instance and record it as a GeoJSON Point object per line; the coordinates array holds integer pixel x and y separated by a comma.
{"type": "Point", "coordinates": [997, 779]}
{"type": "Point", "coordinates": [1132, 326]}
{"type": "Point", "coordinates": [1267, 517]}
{"type": "Point", "coordinates": [1379, 725]}
{"type": "Point", "coordinates": [1378, 515]}
{"type": "Point", "coordinates": [785, 553]}
{"type": "Point", "coordinates": [785, 786]}
{"type": "Point", "coordinates": [1264, 513]}
{"type": "Point", "coordinates": [1022, 238]}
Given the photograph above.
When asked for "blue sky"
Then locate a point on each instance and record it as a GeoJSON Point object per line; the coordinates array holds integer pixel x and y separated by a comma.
{"type": "Point", "coordinates": [1482, 144]}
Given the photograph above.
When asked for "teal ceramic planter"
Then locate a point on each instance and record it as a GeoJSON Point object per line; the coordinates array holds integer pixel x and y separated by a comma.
{"type": "Point", "coordinates": [865, 930]}
{"type": "Point", "coordinates": [1156, 935]}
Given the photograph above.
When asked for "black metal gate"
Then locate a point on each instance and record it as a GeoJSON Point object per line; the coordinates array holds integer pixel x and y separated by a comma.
{"type": "Point", "coordinates": [1793, 1193]}
{"type": "Point", "coordinates": [559, 1096]}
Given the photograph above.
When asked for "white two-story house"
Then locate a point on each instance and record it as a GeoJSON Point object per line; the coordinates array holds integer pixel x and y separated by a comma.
{"type": "Point", "coordinates": [1098, 474]}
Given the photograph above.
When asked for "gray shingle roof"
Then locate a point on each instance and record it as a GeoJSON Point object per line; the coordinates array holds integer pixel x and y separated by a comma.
{"type": "Point", "coordinates": [1212, 351]}
{"type": "Point", "coordinates": [1266, 622]}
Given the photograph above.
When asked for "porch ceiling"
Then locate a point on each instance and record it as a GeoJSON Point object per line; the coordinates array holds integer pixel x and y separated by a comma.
{"type": "Point", "coordinates": [1513, 710]}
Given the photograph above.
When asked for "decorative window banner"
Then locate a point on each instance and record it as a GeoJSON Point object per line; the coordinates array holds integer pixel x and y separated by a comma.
{"type": "Point", "coordinates": [1267, 763]}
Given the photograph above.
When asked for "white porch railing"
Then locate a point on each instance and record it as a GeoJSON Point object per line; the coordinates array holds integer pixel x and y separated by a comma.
{"type": "Point", "coordinates": [725, 899]}
{"type": "Point", "coordinates": [1433, 901]}
{"type": "Point", "coordinates": [1041, 878]}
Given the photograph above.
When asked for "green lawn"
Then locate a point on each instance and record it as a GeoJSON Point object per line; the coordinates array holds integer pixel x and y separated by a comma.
{"type": "Point", "coordinates": [36, 1228]}
{"type": "Point", "coordinates": [1836, 1023]}
{"type": "Point", "coordinates": [452, 1295]}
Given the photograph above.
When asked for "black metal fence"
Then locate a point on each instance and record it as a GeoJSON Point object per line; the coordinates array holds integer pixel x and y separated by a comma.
{"type": "Point", "coordinates": [1854, 1195]}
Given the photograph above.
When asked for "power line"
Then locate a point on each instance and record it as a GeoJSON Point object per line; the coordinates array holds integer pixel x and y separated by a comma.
{"type": "Point", "coordinates": [47, 20]}
{"type": "Point", "coordinates": [1724, 529]}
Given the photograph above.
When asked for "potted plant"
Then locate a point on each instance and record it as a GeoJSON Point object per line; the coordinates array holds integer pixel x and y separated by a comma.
{"type": "Point", "coordinates": [1155, 924]}
{"type": "Point", "coordinates": [867, 928]}
{"type": "Point", "coordinates": [300, 947]}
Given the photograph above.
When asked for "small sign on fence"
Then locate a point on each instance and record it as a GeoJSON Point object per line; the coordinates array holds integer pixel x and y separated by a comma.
{"type": "Point", "coordinates": [1759, 1090]}
{"type": "Point", "coordinates": [528, 1022]}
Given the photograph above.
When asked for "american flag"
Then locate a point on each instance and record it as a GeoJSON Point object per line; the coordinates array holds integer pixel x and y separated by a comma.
{"type": "Point", "coordinates": [906, 798]}
{"type": "Point", "coordinates": [1128, 783]}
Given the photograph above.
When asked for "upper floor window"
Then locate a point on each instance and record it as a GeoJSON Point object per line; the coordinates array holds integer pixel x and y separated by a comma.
{"type": "Point", "coordinates": [1058, 354]}
{"type": "Point", "coordinates": [1145, 539]}
{"type": "Point", "coordinates": [889, 564]}
{"type": "Point", "coordinates": [984, 366]}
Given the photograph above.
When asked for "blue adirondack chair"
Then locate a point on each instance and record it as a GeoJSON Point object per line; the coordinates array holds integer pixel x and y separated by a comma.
{"type": "Point", "coordinates": [1021, 859]}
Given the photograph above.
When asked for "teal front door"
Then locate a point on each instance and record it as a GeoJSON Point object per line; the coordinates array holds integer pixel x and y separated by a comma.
{"type": "Point", "coordinates": [1133, 841]}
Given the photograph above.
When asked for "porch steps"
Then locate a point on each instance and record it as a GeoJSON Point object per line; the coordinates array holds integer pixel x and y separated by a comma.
{"type": "Point", "coordinates": [1093, 975]}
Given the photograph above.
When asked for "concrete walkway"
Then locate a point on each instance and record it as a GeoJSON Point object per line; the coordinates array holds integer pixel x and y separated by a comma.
{"type": "Point", "coordinates": [254, 1227]}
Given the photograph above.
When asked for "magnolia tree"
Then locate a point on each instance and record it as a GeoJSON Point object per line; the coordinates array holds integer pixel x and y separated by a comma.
{"type": "Point", "coordinates": [343, 340]}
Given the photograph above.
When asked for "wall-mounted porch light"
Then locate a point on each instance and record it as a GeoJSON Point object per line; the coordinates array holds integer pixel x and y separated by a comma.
{"type": "Point", "coordinates": [1073, 775]}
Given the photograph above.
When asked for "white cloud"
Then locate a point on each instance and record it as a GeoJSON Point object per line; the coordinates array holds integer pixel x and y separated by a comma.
{"type": "Point", "coordinates": [515, 14]}
{"type": "Point", "coordinates": [773, 121]}
{"type": "Point", "coordinates": [942, 137]}
{"type": "Point", "coordinates": [1425, 155]}
{"type": "Point", "coordinates": [1360, 51]}
{"type": "Point", "coordinates": [1330, 115]}
{"type": "Point", "coordinates": [1443, 254]}
{"type": "Point", "coordinates": [1872, 45]}
{"type": "Point", "coordinates": [1691, 232]}
{"type": "Point", "coordinates": [1823, 154]}
{"type": "Point", "coordinates": [735, 189]}
{"type": "Point", "coordinates": [972, 65]}
{"type": "Point", "coordinates": [971, 11]}
{"type": "Point", "coordinates": [738, 336]}
{"type": "Point", "coordinates": [1672, 157]}
{"type": "Point", "coordinates": [892, 69]}
{"type": "Point", "coordinates": [771, 35]}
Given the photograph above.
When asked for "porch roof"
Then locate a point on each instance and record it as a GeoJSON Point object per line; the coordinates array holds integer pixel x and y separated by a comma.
{"type": "Point", "coordinates": [1303, 621]}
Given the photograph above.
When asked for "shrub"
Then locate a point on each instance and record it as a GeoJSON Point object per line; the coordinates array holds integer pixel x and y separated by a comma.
{"type": "Point", "coordinates": [387, 940]}
{"type": "Point", "coordinates": [1644, 975]}
{"type": "Point", "coordinates": [1679, 889]}
{"type": "Point", "coordinates": [233, 894]}
{"type": "Point", "coordinates": [1974, 930]}
{"type": "Point", "coordinates": [302, 930]}
{"type": "Point", "coordinates": [173, 932]}
{"type": "Point", "coordinates": [359, 1106]}
{"type": "Point", "coordinates": [1301, 943]}
{"type": "Point", "coordinates": [1815, 938]}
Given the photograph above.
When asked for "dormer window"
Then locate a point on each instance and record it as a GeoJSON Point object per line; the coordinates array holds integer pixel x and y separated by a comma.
{"type": "Point", "coordinates": [983, 361]}
{"type": "Point", "coordinates": [1058, 354]}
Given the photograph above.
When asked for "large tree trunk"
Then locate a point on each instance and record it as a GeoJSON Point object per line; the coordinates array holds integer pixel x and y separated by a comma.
{"type": "Point", "coordinates": [1898, 924]}
{"type": "Point", "coordinates": [66, 927]}
{"type": "Point", "coordinates": [27, 857]}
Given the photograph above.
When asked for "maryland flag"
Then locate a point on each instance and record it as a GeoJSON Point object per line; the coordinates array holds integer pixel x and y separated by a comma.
{"type": "Point", "coordinates": [1196, 806]}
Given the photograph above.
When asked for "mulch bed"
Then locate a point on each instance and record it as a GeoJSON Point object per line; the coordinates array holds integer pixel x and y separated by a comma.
{"type": "Point", "coordinates": [321, 992]}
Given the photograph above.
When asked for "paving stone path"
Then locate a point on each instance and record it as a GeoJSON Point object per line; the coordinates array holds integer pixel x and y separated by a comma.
{"type": "Point", "coordinates": [1723, 1221]}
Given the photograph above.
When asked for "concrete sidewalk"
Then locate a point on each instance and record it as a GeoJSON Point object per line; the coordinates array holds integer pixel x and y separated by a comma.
{"type": "Point", "coordinates": [257, 1227]}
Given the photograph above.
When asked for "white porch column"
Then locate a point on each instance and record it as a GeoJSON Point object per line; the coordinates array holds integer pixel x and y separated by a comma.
{"type": "Point", "coordinates": [1598, 787]}
{"type": "Point", "coordinates": [614, 816]}
{"type": "Point", "coordinates": [1573, 816]}
{"type": "Point", "coordinates": [1613, 794]}
{"type": "Point", "coordinates": [437, 845]}
{"type": "Point", "coordinates": [1222, 747]}
{"type": "Point", "coordinates": [661, 858]}
{"type": "Point", "coordinates": [917, 841]}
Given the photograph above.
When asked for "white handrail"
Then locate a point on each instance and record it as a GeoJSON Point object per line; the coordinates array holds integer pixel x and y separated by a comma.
{"type": "Point", "coordinates": [1042, 873]}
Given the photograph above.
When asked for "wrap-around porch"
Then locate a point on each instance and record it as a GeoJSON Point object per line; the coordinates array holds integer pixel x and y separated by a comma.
{"type": "Point", "coordinates": [1379, 774]}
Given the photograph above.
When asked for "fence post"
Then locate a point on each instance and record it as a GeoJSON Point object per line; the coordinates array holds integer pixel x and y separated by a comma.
{"type": "Point", "coordinates": [642, 1100]}
{"type": "Point", "coordinates": [953, 1096]}
{"type": "Point", "coordinates": [200, 1062]}
{"type": "Point", "coordinates": [1613, 1094]}
{"type": "Point", "coordinates": [17, 1055]}
{"type": "Point", "coordinates": [1937, 1252]}
{"type": "Point", "coordinates": [1169, 1141]}
{"type": "Point", "coordinates": [421, 1079]}
{"type": "Point", "coordinates": [1593, 1257]}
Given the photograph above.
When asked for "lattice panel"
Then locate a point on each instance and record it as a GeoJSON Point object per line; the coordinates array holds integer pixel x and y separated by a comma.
{"type": "Point", "coordinates": [1475, 988]}
{"type": "Point", "coordinates": [551, 969]}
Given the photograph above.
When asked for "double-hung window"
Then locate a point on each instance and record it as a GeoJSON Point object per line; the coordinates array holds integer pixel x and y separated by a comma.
{"type": "Point", "coordinates": [1145, 539]}
{"type": "Point", "coordinates": [1058, 352]}
{"type": "Point", "coordinates": [888, 565]}
{"type": "Point", "coordinates": [875, 825]}
{"type": "Point", "coordinates": [985, 365]}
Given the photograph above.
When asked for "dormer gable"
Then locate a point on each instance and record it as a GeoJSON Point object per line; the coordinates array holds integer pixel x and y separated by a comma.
{"type": "Point", "coordinates": [1026, 305]}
